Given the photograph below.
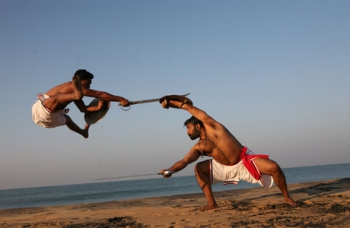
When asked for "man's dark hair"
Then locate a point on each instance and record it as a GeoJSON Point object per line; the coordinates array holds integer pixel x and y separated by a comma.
{"type": "Point", "coordinates": [194, 121]}
{"type": "Point", "coordinates": [84, 74]}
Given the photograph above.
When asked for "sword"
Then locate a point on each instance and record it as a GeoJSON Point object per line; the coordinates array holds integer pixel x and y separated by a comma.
{"type": "Point", "coordinates": [166, 172]}
{"type": "Point", "coordinates": [147, 101]}
{"type": "Point", "coordinates": [141, 175]}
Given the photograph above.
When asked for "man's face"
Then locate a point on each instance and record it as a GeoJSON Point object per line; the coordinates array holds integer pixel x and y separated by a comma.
{"type": "Point", "coordinates": [192, 131]}
{"type": "Point", "coordinates": [86, 83]}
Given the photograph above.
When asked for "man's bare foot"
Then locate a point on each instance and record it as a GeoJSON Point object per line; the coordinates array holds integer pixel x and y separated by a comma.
{"type": "Point", "coordinates": [77, 87]}
{"type": "Point", "coordinates": [85, 132]}
{"type": "Point", "coordinates": [291, 202]}
{"type": "Point", "coordinates": [207, 207]}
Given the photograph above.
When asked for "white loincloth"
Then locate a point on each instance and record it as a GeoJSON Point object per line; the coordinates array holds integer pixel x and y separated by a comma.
{"type": "Point", "coordinates": [45, 118]}
{"type": "Point", "coordinates": [235, 173]}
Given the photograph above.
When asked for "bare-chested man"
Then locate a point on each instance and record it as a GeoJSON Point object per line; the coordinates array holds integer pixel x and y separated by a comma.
{"type": "Point", "coordinates": [50, 110]}
{"type": "Point", "coordinates": [231, 160]}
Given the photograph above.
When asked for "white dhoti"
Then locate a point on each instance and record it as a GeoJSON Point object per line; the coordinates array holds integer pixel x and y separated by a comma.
{"type": "Point", "coordinates": [43, 117]}
{"type": "Point", "coordinates": [235, 173]}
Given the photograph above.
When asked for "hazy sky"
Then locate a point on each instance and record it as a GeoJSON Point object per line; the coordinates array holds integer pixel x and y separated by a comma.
{"type": "Point", "coordinates": [275, 73]}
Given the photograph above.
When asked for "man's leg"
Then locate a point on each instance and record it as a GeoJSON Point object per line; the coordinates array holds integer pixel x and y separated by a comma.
{"type": "Point", "coordinates": [269, 167]}
{"type": "Point", "coordinates": [54, 102]}
{"type": "Point", "coordinates": [202, 172]}
{"type": "Point", "coordinates": [71, 125]}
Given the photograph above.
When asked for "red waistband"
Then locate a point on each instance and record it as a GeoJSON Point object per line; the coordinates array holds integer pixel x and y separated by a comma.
{"type": "Point", "coordinates": [249, 164]}
{"type": "Point", "coordinates": [243, 152]}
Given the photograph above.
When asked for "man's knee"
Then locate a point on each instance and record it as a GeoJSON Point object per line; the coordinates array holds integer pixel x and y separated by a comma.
{"type": "Point", "coordinates": [275, 168]}
{"type": "Point", "coordinates": [202, 167]}
{"type": "Point", "coordinates": [267, 166]}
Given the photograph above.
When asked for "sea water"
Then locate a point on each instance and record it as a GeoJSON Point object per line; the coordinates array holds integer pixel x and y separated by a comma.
{"type": "Point", "coordinates": [133, 189]}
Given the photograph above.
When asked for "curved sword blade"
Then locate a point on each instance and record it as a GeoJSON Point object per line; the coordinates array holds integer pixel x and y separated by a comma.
{"type": "Point", "coordinates": [151, 100]}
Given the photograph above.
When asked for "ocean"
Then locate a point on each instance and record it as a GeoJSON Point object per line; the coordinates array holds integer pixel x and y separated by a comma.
{"type": "Point", "coordinates": [144, 188]}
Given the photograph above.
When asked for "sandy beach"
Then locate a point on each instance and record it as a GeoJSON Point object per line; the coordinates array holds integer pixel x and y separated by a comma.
{"type": "Point", "coordinates": [321, 204]}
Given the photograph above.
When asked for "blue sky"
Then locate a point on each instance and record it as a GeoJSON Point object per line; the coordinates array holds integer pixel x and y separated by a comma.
{"type": "Point", "coordinates": [275, 73]}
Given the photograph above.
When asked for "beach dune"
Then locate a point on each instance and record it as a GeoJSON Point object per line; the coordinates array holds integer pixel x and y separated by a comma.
{"type": "Point", "coordinates": [321, 204]}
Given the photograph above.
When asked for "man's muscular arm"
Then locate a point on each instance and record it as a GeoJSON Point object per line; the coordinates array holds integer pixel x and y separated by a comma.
{"type": "Point", "coordinates": [104, 96]}
{"type": "Point", "coordinates": [198, 113]}
{"type": "Point", "coordinates": [190, 157]}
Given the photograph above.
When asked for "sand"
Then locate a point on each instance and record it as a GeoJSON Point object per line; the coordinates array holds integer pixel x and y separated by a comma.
{"type": "Point", "coordinates": [321, 204]}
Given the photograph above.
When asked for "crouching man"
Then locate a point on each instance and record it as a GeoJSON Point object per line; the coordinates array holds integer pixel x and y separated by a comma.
{"type": "Point", "coordinates": [231, 161]}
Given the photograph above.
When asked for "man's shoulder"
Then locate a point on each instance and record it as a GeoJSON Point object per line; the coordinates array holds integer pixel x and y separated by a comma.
{"type": "Point", "coordinates": [214, 126]}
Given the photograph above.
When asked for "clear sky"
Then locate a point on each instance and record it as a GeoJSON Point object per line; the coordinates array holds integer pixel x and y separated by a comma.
{"type": "Point", "coordinates": [275, 73]}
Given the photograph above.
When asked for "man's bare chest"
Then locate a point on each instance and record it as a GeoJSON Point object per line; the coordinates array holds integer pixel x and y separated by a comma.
{"type": "Point", "coordinates": [210, 148]}
{"type": "Point", "coordinates": [207, 147]}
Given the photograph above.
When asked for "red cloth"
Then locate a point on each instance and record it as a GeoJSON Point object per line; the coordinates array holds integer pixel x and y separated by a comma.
{"type": "Point", "coordinates": [249, 164]}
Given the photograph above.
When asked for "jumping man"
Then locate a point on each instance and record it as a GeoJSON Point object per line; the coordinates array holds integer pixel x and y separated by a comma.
{"type": "Point", "coordinates": [50, 110]}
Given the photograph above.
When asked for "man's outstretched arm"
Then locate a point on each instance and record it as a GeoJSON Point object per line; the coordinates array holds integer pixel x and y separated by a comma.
{"type": "Point", "coordinates": [104, 96]}
{"type": "Point", "coordinates": [192, 156]}
{"type": "Point", "coordinates": [188, 106]}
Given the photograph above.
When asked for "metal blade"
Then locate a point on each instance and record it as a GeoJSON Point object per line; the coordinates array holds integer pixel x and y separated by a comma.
{"type": "Point", "coordinates": [144, 101]}
{"type": "Point", "coordinates": [151, 100]}
{"type": "Point", "coordinates": [140, 175]}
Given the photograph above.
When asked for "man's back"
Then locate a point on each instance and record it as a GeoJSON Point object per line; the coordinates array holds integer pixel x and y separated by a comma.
{"type": "Point", "coordinates": [66, 87]}
{"type": "Point", "coordinates": [59, 102]}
